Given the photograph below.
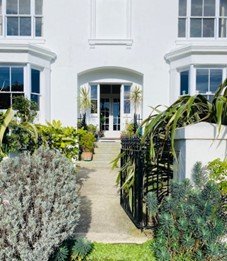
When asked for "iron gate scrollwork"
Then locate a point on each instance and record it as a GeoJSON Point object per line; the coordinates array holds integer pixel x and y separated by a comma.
{"type": "Point", "coordinates": [141, 175]}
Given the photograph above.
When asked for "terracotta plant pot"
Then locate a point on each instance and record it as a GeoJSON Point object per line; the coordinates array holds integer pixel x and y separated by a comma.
{"type": "Point", "coordinates": [87, 156]}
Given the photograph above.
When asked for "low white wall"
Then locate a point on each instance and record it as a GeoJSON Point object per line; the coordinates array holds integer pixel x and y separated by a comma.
{"type": "Point", "coordinates": [198, 142]}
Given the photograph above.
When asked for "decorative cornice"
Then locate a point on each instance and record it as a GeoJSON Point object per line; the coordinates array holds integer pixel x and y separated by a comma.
{"type": "Point", "coordinates": [35, 50]}
{"type": "Point", "coordinates": [195, 49]}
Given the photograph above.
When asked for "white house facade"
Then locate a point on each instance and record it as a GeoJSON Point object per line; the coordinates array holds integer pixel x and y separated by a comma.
{"type": "Point", "coordinates": [50, 49]}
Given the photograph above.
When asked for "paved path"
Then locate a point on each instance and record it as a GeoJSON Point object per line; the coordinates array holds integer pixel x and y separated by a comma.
{"type": "Point", "coordinates": [102, 218]}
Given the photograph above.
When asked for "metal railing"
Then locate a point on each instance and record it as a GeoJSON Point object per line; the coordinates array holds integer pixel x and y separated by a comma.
{"type": "Point", "coordinates": [146, 176]}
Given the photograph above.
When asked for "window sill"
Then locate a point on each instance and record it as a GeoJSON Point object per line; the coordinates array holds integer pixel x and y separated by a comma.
{"type": "Point", "coordinates": [200, 40]}
{"type": "Point", "coordinates": [94, 42]}
{"type": "Point", "coordinates": [17, 39]}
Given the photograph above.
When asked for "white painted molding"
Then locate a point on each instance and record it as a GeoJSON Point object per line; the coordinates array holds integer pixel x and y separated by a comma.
{"type": "Point", "coordinates": [127, 42]}
{"type": "Point", "coordinates": [37, 51]}
{"type": "Point", "coordinates": [96, 41]}
{"type": "Point", "coordinates": [195, 49]}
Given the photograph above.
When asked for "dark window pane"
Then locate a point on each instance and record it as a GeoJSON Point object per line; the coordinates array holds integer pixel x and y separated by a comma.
{"type": "Point", "coordinates": [24, 7]}
{"type": "Point", "coordinates": [4, 100]}
{"type": "Point", "coordinates": [208, 27]}
{"type": "Point", "coordinates": [215, 79]}
{"type": "Point", "coordinates": [94, 106]}
{"type": "Point", "coordinates": [12, 26]}
{"type": "Point", "coordinates": [127, 89]}
{"type": "Point", "coordinates": [182, 7]}
{"type": "Point", "coordinates": [94, 94]}
{"type": "Point", "coordinates": [202, 80]}
{"type": "Point", "coordinates": [38, 7]}
{"type": "Point", "coordinates": [38, 26]}
{"type": "Point", "coordinates": [116, 89]}
{"type": "Point", "coordinates": [11, 6]}
{"type": "Point", "coordinates": [126, 106]}
{"type": "Point", "coordinates": [209, 7]}
{"type": "Point", "coordinates": [25, 26]}
{"type": "Point", "coordinates": [184, 87]}
{"type": "Point", "coordinates": [17, 80]}
{"type": "Point", "coordinates": [196, 27]}
{"type": "Point", "coordinates": [35, 98]}
{"type": "Point", "coordinates": [181, 27]}
{"type": "Point", "coordinates": [105, 89]}
{"type": "Point", "coordinates": [35, 75]}
{"type": "Point", "coordinates": [223, 27]}
{"type": "Point", "coordinates": [4, 79]}
{"type": "Point", "coordinates": [196, 7]}
{"type": "Point", "coordinates": [223, 7]}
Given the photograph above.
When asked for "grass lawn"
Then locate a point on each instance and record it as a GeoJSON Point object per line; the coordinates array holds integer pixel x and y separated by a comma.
{"type": "Point", "coordinates": [121, 252]}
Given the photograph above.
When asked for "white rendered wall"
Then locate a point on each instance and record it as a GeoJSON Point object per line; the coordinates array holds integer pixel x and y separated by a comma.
{"type": "Point", "coordinates": [199, 142]}
{"type": "Point", "coordinates": [67, 31]}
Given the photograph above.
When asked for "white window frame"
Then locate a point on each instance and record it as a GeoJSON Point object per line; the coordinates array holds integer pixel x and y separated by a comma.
{"type": "Point", "coordinates": [34, 93]}
{"type": "Point", "coordinates": [33, 17]}
{"type": "Point", "coordinates": [10, 66]}
{"type": "Point", "coordinates": [192, 77]}
{"type": "Point", "coordinates": [188, 18]}
{"type": "Point", "coordinates": [97, 90]}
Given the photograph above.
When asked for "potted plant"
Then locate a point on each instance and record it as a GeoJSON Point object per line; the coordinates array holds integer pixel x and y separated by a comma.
{"type": "Point", "coordinates": [87, 144]}
{"type": "Point", "coordinates": [85, 104]}
{"type": "Point", "coordinates": [136, 98]}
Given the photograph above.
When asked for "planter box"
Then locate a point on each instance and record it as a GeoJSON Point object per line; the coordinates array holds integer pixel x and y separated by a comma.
{"type": "Point", "coordinates": [87, 156]}
{"type": "Point", "coordinates": [198, 142]}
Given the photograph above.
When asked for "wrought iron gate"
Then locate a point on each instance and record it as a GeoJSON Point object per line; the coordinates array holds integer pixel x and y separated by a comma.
{"type": "Point", "coordinates": [140, 175]}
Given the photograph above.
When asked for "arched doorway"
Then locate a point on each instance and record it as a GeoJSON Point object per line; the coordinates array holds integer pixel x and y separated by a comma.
{"type": "Point", "coordinates": [109, 89]}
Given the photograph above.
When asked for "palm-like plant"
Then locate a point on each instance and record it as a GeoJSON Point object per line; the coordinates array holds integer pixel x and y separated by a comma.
{"type": "Point", "coordinates": [136, 98]}
{"type": "Point", "coordinates": [85, 102]}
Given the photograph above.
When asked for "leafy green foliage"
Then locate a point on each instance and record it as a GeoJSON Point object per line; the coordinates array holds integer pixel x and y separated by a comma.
{"type": "Point", "coordinates": [63, 139]}
{"type": "Point", "coordinates": [218, 173]}
{"type": "Point", "coordinates": [82, 247]}
{"type": "Point", "coordinates": [26, 110]}
{"type": "Point", "coordinates": [190, 222]}
{"type": "Point", "coordinates": [86, 140]}
{"type": "Point", "coordinates": [40, 207]}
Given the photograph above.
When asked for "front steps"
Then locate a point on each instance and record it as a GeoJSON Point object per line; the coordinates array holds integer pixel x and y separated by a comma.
{"type": "Point", "coordinates": [105, 153]}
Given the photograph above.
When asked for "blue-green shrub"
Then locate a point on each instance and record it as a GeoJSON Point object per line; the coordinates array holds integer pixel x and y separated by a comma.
{"type": "Point", "coordinates": [39, 206]}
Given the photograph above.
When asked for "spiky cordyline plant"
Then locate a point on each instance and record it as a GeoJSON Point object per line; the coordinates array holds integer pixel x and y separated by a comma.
{"type": "Point", "coordinates": [185, 111]}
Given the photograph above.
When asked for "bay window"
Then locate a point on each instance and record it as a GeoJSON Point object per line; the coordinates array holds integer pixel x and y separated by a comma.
{"type": "Point", "coordinates": [21, 18]}
{"type": "Point", "coordinates": [184, 82]}
{"type": "Point", "coordinates": [204, 81]}
{"type": "Point", "coordinates": [11, 85]}
{"type": "Point", "coordinates": [207, 81]}
{"type": "Point", "coordinates": [35, 86]}
{"type": "Point", "coordinates": [202, 19]}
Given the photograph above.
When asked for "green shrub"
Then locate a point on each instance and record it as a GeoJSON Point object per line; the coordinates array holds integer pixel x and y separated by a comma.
{"type": "Point", "coordinates": [82, 247]}
{"type": "Point", "coordinates": [218, 173]}
{"type": "Point", "coordinates": [86, 140]}
{"type": "Point", "coordinates": [92, 128]}
{"type": "Point", "coordinates": [190, 222]}
{"type": "Point", "coordinates": [39, 209]}
{"type": "Point", "coordinates": [26, 110]}
{"type": "Point", "coordinates": [63, 139]}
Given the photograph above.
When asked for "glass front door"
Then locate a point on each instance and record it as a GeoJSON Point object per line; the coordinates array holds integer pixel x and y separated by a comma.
{"type": "Point", "coordinates": [110, 119]}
